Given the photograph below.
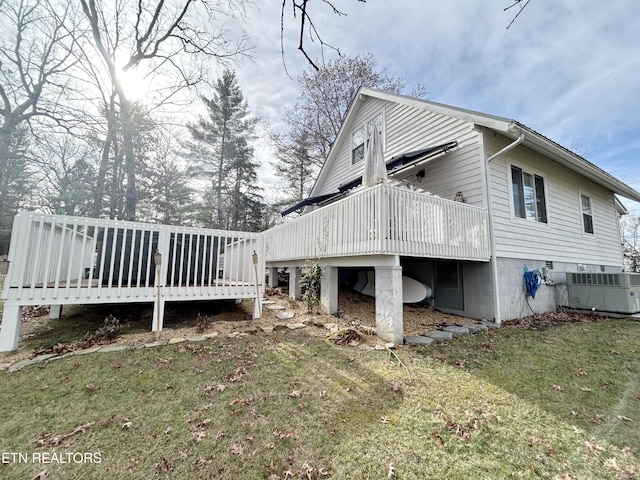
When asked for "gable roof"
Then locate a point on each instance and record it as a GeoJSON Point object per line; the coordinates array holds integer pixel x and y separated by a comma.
{"type": "Point", "coordinates": [507, 127]}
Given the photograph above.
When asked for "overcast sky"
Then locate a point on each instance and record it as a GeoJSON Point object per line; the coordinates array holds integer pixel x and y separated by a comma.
{"type": "Point", "coordinates": [568, 69]}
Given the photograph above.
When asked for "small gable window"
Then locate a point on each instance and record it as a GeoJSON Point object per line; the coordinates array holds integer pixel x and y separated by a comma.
{"type": "Point", "coordinates": [360, 138]}
{"type": "Point", "coordinates": [587, 214]}
{"type": "Point", "coordinates": [528, 195]}
{"type": "Point", "coordinates": [357, 146]}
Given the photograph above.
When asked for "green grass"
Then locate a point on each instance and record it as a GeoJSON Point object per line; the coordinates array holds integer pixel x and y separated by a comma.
{"type": "Point", "coordinates": [481, 407]}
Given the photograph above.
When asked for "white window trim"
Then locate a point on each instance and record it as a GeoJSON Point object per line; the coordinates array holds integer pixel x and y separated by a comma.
{"type": "Point", "coordinates": [585, 234]}
{"type": "Point", "coordinates": [364, 124]}
{"type": "Point", "coordinates": [512, 208]}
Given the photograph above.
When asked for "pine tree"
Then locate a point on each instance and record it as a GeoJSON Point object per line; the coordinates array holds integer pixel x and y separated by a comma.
{"type": "Point", "coordinates": [221, 145]}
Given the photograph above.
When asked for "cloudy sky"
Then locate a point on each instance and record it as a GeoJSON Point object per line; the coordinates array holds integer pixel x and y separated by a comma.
{"type": "Point", "coordinates": [569, 69]}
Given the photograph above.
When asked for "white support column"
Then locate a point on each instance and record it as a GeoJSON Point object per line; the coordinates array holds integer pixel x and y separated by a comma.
{"type": "Point", "coordinates": [273, 277]}
{"type": "Point", "coordinates": [257, 308]}
{"type": "Point", "coordinates": [158, 316]}
{"type": "Point", "coordinates": [329, 289]}
{"type": "Point", "coordinates": [55, 311]}
{"type": "Point", "coordinates": [389, 304]}
{"type": "Point", "coordinates": [10, 330]}
{"type": "Point", "coordinates": [295, 292]}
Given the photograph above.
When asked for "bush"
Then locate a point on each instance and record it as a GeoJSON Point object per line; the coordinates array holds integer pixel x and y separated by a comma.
{"type": "Point", "coordinates": [310, 282]}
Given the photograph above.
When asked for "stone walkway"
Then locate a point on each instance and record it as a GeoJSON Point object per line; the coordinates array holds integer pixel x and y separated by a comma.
{"type": "Point", "coordinates": [445, 334]}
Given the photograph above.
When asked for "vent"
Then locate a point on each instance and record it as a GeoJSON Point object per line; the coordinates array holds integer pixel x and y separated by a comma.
{"type": "Point", "coordinates": [608, 279]}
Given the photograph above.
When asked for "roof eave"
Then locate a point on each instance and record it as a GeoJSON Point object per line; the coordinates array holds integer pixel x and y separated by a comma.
{"type": "Point", "coordinates": [572, 161]}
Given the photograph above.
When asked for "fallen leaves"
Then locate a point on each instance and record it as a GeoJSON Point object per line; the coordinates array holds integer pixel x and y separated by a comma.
{"type": "Point", "coordinates": [558, 388]}
{"type": "Point", "coordinates": [47, 440]}
{"type": "Point", "coordinates": [624, 418]}
{"type": "Point", "coordinates": [391, 471]}
{"type": "Point", "coordinates": [237, 449]}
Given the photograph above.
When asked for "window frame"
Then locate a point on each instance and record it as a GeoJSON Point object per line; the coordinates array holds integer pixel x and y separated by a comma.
{"type": "Point", "coordinates": [358, 151]}
{"type": "Point", "coordinates": [521, 209]}
{"type": "Point", "coordinates": [583, 215]}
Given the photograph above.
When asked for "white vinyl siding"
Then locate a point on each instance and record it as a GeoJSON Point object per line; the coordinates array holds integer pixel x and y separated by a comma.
{"type": "Point", "coordinates": [561, 239]}
{"type": "Point", "coordinates": [408, 128]}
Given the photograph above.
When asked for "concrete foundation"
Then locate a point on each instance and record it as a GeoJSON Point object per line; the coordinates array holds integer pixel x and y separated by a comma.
{"type": "Point", "coordinates": [389, 304]}
{"type": "Point", "coordinates": [55, 311]}
{"type": "Point", "coordinates": [273, 277]}
{"type": "Point", "coordinates": [329, 289]}
{"type": "Point", "coordinates": [295, 292]}
{"type": "Point", "coordinates": [10, 333]}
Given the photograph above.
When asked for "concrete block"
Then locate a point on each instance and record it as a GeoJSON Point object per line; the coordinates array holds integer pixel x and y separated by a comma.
{"type": "Point", "coordinates": [476, 327]}
{"type": "Point", "coordinates": [418, 340]}
{"type": "Point", "coordinates": [439, 335]}
{"type": "Point", "coordinates": [456, 330]}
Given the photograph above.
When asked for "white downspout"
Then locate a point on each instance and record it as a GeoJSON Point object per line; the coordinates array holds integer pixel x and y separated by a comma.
{"type": "Point", "coordinates": [494, 261]}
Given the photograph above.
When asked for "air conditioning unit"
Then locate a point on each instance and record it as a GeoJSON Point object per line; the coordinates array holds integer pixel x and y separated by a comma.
{"type": "Point", "coordinates": [607, 292]}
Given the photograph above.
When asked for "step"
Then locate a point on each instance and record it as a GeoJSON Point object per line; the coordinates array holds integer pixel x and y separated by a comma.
{"type": "Point", "coordinates": [418, 340]}
{"type": "Point", "coordinates": [456, 330]}
{"type": "Point", "coordinates": [476, 327]}
{"type": "Point", "coordinates": [439, 335]}
{"type": "Point", "coordinates": [285, 315]}
{"type": "Point", "coordinates": [275, 307]}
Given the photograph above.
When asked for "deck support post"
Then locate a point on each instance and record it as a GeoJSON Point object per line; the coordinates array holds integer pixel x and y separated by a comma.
{"type": "Point", "coordinates": [55, 311]}
{"type": "Point", "coordinates": [389, 304]}
{"type": "Point", "coordinates": [10, 330]}
{"type": "Point", "coordinates": [295, 291]}
{"type": "Point", "coordinates": [158, 315]}
{"type": "Point", "coordinates": [273, 277]}
{"type": "Point", "coordinates": [329, 289]}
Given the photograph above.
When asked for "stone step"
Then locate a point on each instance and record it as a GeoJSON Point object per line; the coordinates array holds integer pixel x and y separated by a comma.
{"type": "Point", "coordinates": [456, 330]}
{"type": "Point", "coordinates": [476, 327]}
{"type": "Point", "coordinates": [439, 335]}
{"type": "Point", "coordinates": [275, 307]}
{"type": "Point", "coordinates": [268, 302]}
{"type": "Point", "coordinates": [285, 315]}
{"type": "Point", "coordinates": [418, 340]}
{"type": "Point", "coordinates": [489, 324]}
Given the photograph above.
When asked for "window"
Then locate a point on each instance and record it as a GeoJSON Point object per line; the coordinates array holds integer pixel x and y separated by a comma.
{"type": "Point", "coordinates": [360, 138]}
{"type": "Point", "coordinates": [357, 146]}
{"type": "Point", "coordinates": [587, 214]}
{"type": "Point", "coordinates": [528, 195]}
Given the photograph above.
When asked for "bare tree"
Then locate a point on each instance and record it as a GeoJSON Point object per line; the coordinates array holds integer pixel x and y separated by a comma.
{"type": "Point", "coordinates": [161, 36]}
{"type": "Point", "coordinates": [326, 94]}
{"type": "Point", "coordinates": [630, 228]}
{"type": "Point", "coordinates": [35, 64]}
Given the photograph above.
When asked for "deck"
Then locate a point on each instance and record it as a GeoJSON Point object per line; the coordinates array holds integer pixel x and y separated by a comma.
{"type": "Point", "coordinates": [384, 220]}
{"type": "Point", "coordinates": [59, 260]}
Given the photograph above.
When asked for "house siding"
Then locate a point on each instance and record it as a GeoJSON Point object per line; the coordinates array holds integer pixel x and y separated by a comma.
{"type": "Point", "coordinates": [562, 238]}
{"type": "Point", "coordinates": [408, 128]}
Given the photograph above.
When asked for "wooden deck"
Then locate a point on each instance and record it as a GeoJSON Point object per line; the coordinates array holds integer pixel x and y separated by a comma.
{"type": "Point", "coordinates": [57, 260]}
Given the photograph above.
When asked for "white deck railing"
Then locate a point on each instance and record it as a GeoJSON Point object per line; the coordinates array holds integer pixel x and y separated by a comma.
{"type": "Point", "coordinates": [384, 220]}
{"type": "Point", "coordinates": [62, 260]}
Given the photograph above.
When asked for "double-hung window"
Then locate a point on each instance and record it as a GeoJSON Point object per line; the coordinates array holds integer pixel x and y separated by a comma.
{"type": "Point", "coordinates": [528, 195]}
{"type": "Point", "coordinates": [587, 213]}
{"type": "Point", "coordinates": [360, 138]}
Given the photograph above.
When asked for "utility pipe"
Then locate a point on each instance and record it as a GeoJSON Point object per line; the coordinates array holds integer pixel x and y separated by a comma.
{"type": "Point", "coordinates": [494, 261]}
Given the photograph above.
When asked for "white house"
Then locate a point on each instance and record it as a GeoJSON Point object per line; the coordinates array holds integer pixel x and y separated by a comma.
{"type": "Point", "coordinates": [523, 202]}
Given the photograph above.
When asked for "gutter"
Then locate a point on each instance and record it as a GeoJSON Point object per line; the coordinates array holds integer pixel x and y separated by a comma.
{"type": "Point", "coordinates": [494, 263]}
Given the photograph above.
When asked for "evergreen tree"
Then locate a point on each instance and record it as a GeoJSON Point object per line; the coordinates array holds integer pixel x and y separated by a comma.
{"type": "Point", "coordinates": [297, 165]}
{"type": "Point", "coordinates": [221, 146]}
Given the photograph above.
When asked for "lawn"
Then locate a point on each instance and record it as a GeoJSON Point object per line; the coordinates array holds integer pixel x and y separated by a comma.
{"type": "Point", "coordinates": [556, 403]}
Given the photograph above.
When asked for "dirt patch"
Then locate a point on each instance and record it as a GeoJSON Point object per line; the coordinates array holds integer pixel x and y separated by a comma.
{"type": "Point", "coordinates": [40, 334]}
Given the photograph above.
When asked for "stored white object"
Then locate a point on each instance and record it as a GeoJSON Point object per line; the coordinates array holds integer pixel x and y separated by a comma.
{"type": "Point", "coordinates": [413, 291]}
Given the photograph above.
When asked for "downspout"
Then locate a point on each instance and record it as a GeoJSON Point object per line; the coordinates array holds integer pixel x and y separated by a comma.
{"type": "Point", "coordinates": [494, 263]}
